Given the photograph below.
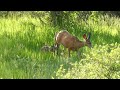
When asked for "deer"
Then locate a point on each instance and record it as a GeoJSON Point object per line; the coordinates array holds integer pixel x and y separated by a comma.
{"type": "Point", "coordinates": [72, 43]}
{"type": "Point", "coordinates": [47, 48]}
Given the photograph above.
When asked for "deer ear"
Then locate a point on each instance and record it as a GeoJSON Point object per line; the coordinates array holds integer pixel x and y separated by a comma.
{"type": "Point", "coordinates": [84, 36]}
{"type": "Point", "coordinates": [89, 34]}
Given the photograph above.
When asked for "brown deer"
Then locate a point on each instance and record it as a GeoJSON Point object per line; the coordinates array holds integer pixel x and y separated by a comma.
{"type": "Point", "coordinates": [71, 42]}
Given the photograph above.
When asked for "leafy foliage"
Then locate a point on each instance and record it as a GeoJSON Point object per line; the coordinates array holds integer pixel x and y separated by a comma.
{"type": "Point", "coordinates": [100, 62]}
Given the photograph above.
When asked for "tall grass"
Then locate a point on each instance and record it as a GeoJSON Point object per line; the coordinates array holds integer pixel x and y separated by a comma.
{"type": "Point", "coordinates": [21, 39]}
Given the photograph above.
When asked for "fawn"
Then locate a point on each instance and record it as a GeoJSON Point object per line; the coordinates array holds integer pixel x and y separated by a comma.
{"type": "Point", "coordinates": [47, 48]}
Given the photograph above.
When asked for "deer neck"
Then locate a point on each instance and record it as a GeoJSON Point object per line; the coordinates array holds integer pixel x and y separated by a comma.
{"type": "Point", "coordinates": [82, 44]}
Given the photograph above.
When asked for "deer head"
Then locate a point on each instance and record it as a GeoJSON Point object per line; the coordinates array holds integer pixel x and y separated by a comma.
{"type": "Point", "coordinates": [87, 39]}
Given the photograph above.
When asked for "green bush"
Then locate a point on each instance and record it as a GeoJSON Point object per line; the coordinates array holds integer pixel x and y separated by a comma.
{"type": "Point", "coordinates": [102, 61]}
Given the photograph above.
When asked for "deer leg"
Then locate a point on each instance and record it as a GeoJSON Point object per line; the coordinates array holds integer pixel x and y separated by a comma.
{"type": "Point", "coordinates": [57, 48]}
{"type": "Point", "coordinates": [69, 52]}
{"type": "Point", "coordinates": [63, 51]}
{"type": "Point", "coordinates": [78, 53]}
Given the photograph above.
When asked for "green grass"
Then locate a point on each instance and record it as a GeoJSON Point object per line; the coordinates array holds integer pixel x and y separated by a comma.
{"type": "Point", "coordinates": [21, 39]}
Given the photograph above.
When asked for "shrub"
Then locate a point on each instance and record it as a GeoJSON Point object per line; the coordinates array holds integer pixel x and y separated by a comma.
{"type": "Point", "coordinates": [100, 63]}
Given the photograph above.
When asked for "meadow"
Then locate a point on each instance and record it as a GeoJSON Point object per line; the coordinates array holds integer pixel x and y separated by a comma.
{"type": "Point", "coordinates": [21, 39]}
